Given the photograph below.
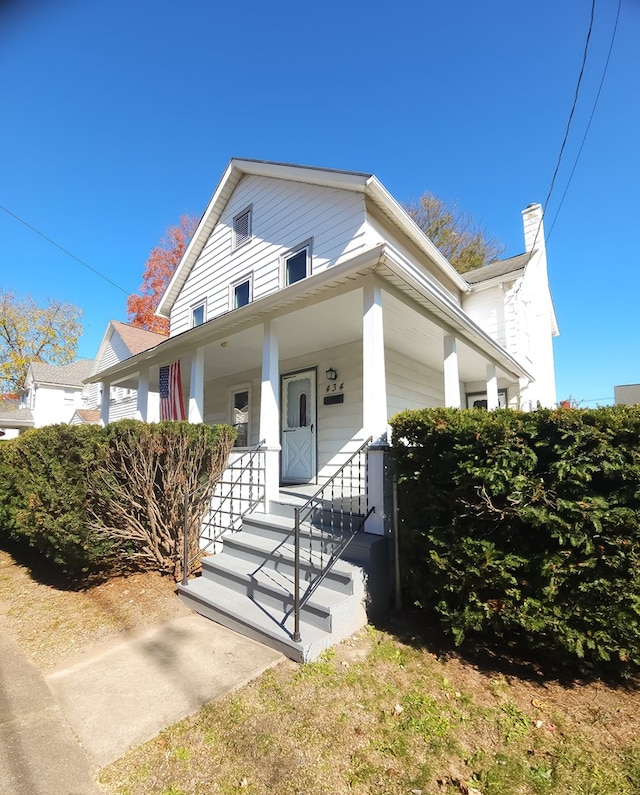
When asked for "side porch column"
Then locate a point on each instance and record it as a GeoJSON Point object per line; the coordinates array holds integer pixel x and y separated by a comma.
{"type": "Point", "coordinates": [374, 402]}
{"type": "Point", "coordinates": [195, 413]}
{"type": "Point", "coordinates": [270, 410]}
{"type": "Point", "coordinates": [105, 401]}
{"type": "Point", "coordinates": [451, 375]}
{"type": "Point", "coordinates": [492, 387]}
{"type": "Point", "coordinates": [142, 396]}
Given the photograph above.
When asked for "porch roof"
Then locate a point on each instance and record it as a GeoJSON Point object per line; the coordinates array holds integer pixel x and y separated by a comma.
{"type": "Point", "coordinates": [405, 283]}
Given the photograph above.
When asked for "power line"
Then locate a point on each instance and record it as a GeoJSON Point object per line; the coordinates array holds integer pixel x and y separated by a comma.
{"type": "Point", "coordinates": [64, 250]}
{"type": "Point", "coordinates": [586, 132]}
{"type": "Point", "coordinates": [570, 119]}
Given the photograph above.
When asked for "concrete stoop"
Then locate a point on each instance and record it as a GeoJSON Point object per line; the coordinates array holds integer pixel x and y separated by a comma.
{"type": "Point", "coordinates": [248, 587]}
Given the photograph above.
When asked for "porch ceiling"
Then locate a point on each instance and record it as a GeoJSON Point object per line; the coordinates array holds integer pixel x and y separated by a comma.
{"type": "Point", "coordinates": [337, 321]}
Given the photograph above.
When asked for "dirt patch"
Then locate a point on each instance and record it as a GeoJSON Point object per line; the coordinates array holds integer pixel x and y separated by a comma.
{"type": "Point", "coordinates": [51, 623]}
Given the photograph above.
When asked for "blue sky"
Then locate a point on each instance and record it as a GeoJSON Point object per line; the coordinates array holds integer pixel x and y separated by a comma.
{"type": "Point", "coordinates": [118, 117]}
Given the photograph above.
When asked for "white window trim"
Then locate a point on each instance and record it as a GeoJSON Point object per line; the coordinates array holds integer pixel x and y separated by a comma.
{"type": "Point", "coordinates": [232, 289]}
{"type": "Point", "coordinates": [234, 240]}
{"type": "Point", "coordinates": [231, 392]}
{"type": "Point", "coordinates": [193, 308]}
{"type": "Point", "coordinates": [503, 398]}
{"type": "Point", "coordinates": [307, 244]}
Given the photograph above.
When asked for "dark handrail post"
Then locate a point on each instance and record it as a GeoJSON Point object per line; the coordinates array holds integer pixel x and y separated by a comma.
{"type": "Point", "coordinates": [185, 542]}
{"type": "Point", "coordinates": [296, 579]}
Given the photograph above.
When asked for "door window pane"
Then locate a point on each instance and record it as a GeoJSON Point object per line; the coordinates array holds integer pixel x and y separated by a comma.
{"type": "Point", "coordinates": [298, 403]}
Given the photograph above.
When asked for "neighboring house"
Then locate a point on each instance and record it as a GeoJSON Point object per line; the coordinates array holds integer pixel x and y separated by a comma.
{"type": "Point", "coordinates": [307, 310]}
{"type": "Point", "coordinates": [511, 300]}
{"type": "Point", "coordinates": [628, 394]}
{"type": "Point", "coordinates": [120, 341]}
{"type": "Point", "coordinates": [13, 419]}
{"type": "Point", "coordinates": [52, 393]}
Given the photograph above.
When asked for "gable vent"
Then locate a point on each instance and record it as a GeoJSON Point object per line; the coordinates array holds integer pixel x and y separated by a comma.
{"type": "Point", "coordinates": [242, 228]}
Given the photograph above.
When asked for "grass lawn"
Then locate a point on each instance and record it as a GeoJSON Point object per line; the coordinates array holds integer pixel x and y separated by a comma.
{"type": "Point", "coordinates": [391, 711]}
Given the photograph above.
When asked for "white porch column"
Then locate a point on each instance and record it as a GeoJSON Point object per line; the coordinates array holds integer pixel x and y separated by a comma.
{"type": "Point", "coordinates": [270, 410]}
{"type": "Point", "coordinates": [492, 387]}
{"type": "Point", "coordinates": [451, 375]}
{"type": "Point", "coordinates": [374, 377]}
{"type": "Point", "coordinates": [374, 401]}
{"type": "Point", "coordinates": [104, 404]}
{"type": "Point", "coordinates": [196, 388]}
{"type": "Point", "coordinates": [142, 396]}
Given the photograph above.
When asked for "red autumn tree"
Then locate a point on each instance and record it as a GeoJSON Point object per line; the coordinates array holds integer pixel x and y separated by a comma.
{"type": "Point", "coordinates": [159, 269]}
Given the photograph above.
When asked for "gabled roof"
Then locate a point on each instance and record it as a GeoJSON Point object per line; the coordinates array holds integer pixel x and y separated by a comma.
{"type": "Point", "coordinates": [137, 339]}
{"type": "Point", "coordinates": [70, 375]}
{"type": "Point", "coordinates": [91, 416]}
{"type": "Point", "coordinates": [356, 181]}
{"type": "Point", "coordinates": [514, 266]}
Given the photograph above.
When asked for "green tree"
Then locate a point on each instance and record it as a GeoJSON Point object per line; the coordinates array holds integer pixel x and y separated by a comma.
{"type": "Point", "coordinates": [33, 333]}
{"type": "Point", "coordinates": [455, 233]}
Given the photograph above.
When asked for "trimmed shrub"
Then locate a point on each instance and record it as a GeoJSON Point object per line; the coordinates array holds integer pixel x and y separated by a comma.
{"type": "Point", "coordinates": [138, 492]}
{"type": "Point", "coordinates": [525, 526]}
{"type": "Point", "coordinates": [43, 500]}
{"type": "Point", "coordinates": [87, 498]}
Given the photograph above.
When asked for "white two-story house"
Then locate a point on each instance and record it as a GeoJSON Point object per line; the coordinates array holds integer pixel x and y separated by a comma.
{"type": "Point", "coordinates": [309, 308]}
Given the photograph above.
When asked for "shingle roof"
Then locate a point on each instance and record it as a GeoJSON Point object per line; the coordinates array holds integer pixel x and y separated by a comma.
{"type": "Point", "coordinates": [501, 267]}
{"type": "Point", "coordinates": [62, 374]}
{"type": "Point", "coordinates": [89, 415]}
{"type": "Point", "coordinates": [137, 339]}
{"type": "Point", "coordinates": [15, 418]}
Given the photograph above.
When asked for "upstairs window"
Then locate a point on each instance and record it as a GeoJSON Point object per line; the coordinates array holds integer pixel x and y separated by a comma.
{"type": "Point", "coordinates": [242, 228]}
{"type": "Point", "coordinates": [297, 264]}
{"type": "Point", "coordinates": [241, 293]}
{"type": "Point", "coordinates": [197, 315]}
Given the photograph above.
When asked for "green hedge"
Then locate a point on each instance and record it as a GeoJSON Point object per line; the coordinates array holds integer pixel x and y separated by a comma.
{"type": "Point", "coordinates": [525, 526]}
{"type": "Point", "coordinates": [73, 493]}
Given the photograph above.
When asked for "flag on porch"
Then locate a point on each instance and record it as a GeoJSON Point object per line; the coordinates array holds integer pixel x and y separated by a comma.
{"type": "Point", "coordinates": [171, 403]}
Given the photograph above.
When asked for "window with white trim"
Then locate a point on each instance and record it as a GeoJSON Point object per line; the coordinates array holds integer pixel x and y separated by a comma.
{"type": "Point", "coordinates": [242, 228]}
{"type": "Point", "coordinates": [239, 413]}
{"type": "Point", "coordinates": [479, 400]}
{"type": "Point", "coordinates": [197, 314]}
{"type": "Point", "coordinates": [296, 264]}
{"type": "Point", "coordinates": [242, 292]}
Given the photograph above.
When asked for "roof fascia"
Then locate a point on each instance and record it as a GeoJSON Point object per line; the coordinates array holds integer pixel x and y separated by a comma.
{"type": "Point", "coordinates": [496, 281]}
{"type": "Point", "coordinates": [392, 208]}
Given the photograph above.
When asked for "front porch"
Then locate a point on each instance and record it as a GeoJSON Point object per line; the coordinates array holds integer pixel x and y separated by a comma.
{"type": "Point", "coordinates": [301, 576]}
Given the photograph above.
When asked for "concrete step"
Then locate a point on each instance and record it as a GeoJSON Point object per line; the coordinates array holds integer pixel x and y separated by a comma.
{"type": "Point", "coordinates": [254, 620]}
{"type": "Point", "coordinates": [278, 529]}
{"type": "Point", "coordinates": [272, 588]}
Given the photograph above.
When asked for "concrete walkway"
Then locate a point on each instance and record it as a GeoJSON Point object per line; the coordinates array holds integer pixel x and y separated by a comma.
{"type": "Point", "coordinates": [55, 732]}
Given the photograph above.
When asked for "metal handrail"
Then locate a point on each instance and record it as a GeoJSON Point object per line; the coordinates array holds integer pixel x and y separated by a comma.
{"type": "Point", "coordinates": [229, 496]}
{"type": "Point", "coordinates": [337, 538]}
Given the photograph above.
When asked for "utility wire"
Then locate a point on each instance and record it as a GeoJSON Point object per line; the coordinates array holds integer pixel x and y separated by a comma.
{"type": "Point", "coordinates": [64, 250]}
{"type": "Point", "coordinates": [586, 132]}
{"type": "Point", "coordinates": [566, 133]}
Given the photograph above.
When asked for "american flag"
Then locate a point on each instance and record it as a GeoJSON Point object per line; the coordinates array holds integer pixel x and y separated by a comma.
{"type": "Point", "coordinates": [171, 403]}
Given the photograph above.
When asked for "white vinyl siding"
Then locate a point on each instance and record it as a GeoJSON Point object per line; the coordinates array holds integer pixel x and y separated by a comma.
{"type": "Point", "coordinates": [487, 309]}
{"type": "Point", "coordinates": [284, 214]}
{"type": "Point", "coordinates": [411, 385]}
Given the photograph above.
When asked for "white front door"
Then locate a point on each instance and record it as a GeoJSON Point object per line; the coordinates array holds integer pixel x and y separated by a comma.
{"type": "Point", "coordinates": [299, 427]}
